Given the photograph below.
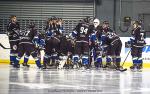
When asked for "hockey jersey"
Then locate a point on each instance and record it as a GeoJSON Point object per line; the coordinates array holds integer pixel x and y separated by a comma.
{"type": "Point", "coordinates": [13, 30]}
{"type": "Point", "coordinates": [138, 37]}
{"type": "Point", "coordinates": [81, 32]}
{"type": "Point", "coordinates": [29, 36]}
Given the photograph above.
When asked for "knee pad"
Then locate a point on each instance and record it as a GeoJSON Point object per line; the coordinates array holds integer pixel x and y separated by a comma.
{"type": "Point", "coordinates": [75, 58]}
{"type": "Point", "coordinates": [85, 60]}
{"type": "Point", "coordinates": [108, 59]}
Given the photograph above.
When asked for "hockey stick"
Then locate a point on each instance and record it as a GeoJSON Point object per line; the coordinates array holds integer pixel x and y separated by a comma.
{"type": "Point", "coordinates": [125, 58]}
{"type": "Point", "coordinates": [3, 46]}
{"type": "Point", "coordinates": [120, 68]}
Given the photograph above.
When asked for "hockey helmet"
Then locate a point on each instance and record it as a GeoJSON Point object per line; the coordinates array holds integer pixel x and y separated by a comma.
{"type": "Point", "coordinates": [106, 22]}
{"type": "Point", "coordinates": [87, 19]}
{"type": "Point", "coordinates": [31, 25]}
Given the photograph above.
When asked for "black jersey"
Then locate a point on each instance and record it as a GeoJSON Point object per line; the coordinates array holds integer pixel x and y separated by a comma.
{"type": "Point", "coordinates": [107, 29]}
{"type": "Point", "coordinates": [83, 32]}
{"type": "Point", "coordinates": [111, 38]}
{"type": "Point", "coordinates": [13, 30]}
{"type": "Point", "coordinates": [107, 36]}
{"type": "Point", "coordinates": [138, 37]}
{"type": "Point", "coordinates": [28, 36]}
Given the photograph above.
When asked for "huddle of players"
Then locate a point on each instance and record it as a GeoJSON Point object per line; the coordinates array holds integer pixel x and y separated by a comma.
{"type": "Point", "coordinates": [95, 41]}
{"type": "Point", "coordinates": [31, 41]}
{"type": "Point", "coordinates": [88, 40]}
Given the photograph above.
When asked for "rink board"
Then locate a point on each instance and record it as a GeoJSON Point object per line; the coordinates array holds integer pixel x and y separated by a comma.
{"type": "Point", "coordinates": [4, 53]}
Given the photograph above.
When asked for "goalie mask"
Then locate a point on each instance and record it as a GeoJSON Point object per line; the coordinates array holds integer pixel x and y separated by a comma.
{"type": "Point", "coordinates": [96, 22]}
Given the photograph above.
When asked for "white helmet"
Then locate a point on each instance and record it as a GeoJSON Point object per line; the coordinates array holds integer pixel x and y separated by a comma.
{"type": "Point", "coordinates": [96, 22]}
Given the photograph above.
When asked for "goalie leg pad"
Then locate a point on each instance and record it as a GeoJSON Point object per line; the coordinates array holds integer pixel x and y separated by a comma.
{"type": "Point", "coordinates": [62, 62]}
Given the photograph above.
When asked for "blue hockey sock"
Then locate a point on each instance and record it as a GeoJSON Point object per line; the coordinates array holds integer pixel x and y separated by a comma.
{"type": "Point", "coordinates": [108, 59]}
{"type": "Point", "coordinates": [75, 59]}
{"type": "Point", "coordinates": [38, 63]}
{"type": "Point", "coordinates": [17, 61]}
{"type": "Point", "coordinates": [12, 59]}
{"type": "Point", "coordinates": [85, 60]}
{"type": "Point", "coordinates": [26, 59]}
{"type": "Point", "coordinates": [135, 60]}
{"type": "Point", "coordinates": [140, 61]}
{"type": "Point", "coordinates": [99, 59]}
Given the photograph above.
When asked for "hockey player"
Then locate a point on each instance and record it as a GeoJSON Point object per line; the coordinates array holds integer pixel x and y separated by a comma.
{"type": "Point", "coordinates": [81, 37]}
{"type": "Point", "coordinates": [115, 45]}
{"type": "Point", "coordinates": [54, 31]}
{"type": "Point", "coordinates": [13, 29]}
{"type": "Point", "coordinates": [27, 46]}
{"type": "Point", "coordinates": [105, 43]}
{"type": "Point", "coordinates": [95, 48]}
{"type": "Point", "coordinates": [137, 44]}
{"type": "Point", "coordinates": [65, 53]}
{"type": "Point", "coordinates": [106, 27]}
{"type": "Point", "coordinates": [39, 41]}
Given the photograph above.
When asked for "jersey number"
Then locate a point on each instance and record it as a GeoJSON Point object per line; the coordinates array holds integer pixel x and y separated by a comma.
{"type": "Point", "coordinates": [142, 36]}
{"type": "Point", "coordinates": [83, 30]}
{"type": "Point", "coordinates": [27, 33]}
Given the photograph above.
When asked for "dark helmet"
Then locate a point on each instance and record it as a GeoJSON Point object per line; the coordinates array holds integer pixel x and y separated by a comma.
{"type": "Point", "coordinates": [50, 19]}
{"type": "Point", "coordinates": [54, 18]}
{"type": "Point", "coordinates": [31, 25]}
{"type": "Point", "coordinates": [87, 19]}
{"type": "Point", "coordinates": [105, 22]}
